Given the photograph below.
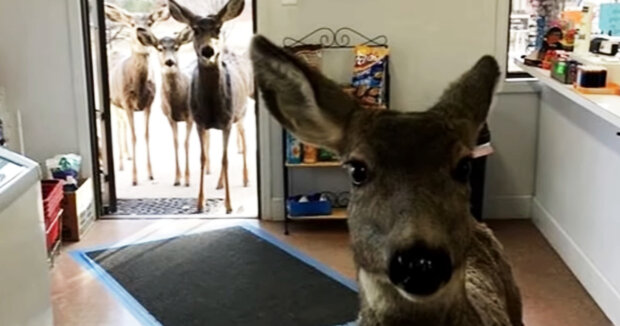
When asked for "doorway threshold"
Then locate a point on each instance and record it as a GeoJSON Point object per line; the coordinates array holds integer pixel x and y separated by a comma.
{"type": "Point", "coordinates": [174, 208]}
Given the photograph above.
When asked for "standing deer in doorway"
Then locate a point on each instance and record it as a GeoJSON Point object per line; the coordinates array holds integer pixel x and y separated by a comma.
{"type": "Point", "coordinates": [132, 88]}
{"type": "Point", "coordinates": [421, 258]}
{"type": "Point", "coordinates": [221, 84]}
{"type": "Point", "coordinates": [175, 94]}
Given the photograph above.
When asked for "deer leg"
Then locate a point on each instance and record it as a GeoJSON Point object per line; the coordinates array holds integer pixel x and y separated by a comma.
{"type": "Point", "coordinates": [207, 144]}
{"type": "Point", "coordinates": [226, 136]}
{"type": "Point", "coordinates": [132, 128]}
{"type": "Point", "coordinates": [147, 116]}
{"type": "Point", "coordinates": [120, 131]}
{"type": "Point", "coordinates": [124, 144]}
{"type": "Point", "coordinates": [220, 180]}
{"type": "Point", "coordinates": [241, 130]}
{"type": "Point", "coordinates": [203, 161]}
{"type": "Point", "coordinates": [189, 125]}
{"type": "Point", "coordinates": [175, 136]}
{"type": "Point", "coordinates": [240, 140]}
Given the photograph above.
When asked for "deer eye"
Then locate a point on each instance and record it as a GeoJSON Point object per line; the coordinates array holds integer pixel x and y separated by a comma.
{"type": "Point", "coordinates": [358, 172]}
{"type": "Point", "coordinates": [463, 170]}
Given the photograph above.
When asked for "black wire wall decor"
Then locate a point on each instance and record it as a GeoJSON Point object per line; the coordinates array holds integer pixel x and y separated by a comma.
{"type": "Point", "coordinates": [328, 38]}
{"type": "Point", "coordinates": [344, 37]}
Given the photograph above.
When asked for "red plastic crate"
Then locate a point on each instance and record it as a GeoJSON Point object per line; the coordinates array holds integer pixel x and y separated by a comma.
{"type": "Point", "coordinates": [52, 232]}
{"type": "Point", "coordinates": [52, 199]}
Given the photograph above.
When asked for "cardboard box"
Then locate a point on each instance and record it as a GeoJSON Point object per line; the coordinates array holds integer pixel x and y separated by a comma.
{"type": "Point", "coordinates": [79, 211]}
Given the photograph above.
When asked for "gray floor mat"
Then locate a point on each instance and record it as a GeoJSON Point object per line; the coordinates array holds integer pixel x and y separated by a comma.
{"type": "Point", "coordinates": [227, 277]}
{"type": "Point", "coordinates": [164, 206]}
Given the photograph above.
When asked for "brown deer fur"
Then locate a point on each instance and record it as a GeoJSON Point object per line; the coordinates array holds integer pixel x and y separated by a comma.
{"type": "Point", "coordinates": [175, 95]}
{"type": "Point", "coordinates": [132, 88]}
{"type": "Point", "coordinates": [421, 258]}
{"type": "Point", "coordinates": [220, 86]}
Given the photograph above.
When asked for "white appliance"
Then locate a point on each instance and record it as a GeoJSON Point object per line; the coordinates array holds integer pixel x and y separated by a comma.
{"type": "Point", "coordinates": [24, 273]}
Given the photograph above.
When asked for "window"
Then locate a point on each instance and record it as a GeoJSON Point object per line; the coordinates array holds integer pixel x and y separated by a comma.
{"type": "Point", "coordinates": [522, 31]}
{"type": "Point", "coordinates": [522, 28]}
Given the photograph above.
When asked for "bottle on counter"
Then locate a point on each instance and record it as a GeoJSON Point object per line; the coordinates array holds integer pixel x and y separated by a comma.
{"type": "Point", "coordinates": [584, 31]}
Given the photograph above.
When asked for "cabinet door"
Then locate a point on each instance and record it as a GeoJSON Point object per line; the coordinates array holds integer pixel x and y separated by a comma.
{"type": "Point", "coordinates": [578, 190]}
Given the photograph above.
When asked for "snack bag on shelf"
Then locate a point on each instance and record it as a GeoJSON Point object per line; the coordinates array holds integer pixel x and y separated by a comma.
{"type": "Point", "coordinates": [369, 75]}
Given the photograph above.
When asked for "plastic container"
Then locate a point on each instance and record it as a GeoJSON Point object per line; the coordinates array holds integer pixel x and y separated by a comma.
{"type": "Point", "coordinates": [313, 207]}
{"type": "Point", "coordinates": [591, 77]}
{"type": "Point", "coordinates": [52, 199]}
{"type": "Point", "coordinates": [52, 232]}
{"type": "Point", "coordinates": [310, 154]}
{"type": "Point", "coordinates": [293, 149]}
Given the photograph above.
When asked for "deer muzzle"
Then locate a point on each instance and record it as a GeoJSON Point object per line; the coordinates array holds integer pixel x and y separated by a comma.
{"type": "Point", "coordinates": [169, 63]}
{"type": "Point", "coordinates": [207, 52]}
{"type": "Point", "coordinates": [420, 270]}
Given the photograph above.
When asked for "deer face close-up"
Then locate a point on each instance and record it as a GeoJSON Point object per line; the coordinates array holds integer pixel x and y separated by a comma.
{"type": "Point", "coordinates": [411, 229]}
{"type": "Point", "coordinates": [168, 48]}
{"type": "Point", "coordinates": [206, 29]}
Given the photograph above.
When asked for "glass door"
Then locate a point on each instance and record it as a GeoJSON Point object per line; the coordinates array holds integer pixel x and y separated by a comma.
{"type": "Point", "coordinates": [95, 35]}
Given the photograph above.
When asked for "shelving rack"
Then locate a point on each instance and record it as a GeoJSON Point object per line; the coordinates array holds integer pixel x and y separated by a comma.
{"type": "Point", "coordinates": [327, 38]}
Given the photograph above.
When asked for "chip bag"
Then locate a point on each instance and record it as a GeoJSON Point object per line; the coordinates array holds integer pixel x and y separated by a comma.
{"type": "Point", "coordinates": [369, 74]}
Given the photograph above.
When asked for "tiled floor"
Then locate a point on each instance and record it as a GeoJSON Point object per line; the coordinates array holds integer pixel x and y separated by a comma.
{"type": "Point", "coordinates": [551, 294]}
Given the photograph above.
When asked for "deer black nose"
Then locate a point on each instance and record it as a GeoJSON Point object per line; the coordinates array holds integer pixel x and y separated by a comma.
{"type": "Point", "coordinates": [169, 63]}
{"type": "Point", "coordinates": [419, 270]}
{"type": "Point", "coordinates": [207, 52]}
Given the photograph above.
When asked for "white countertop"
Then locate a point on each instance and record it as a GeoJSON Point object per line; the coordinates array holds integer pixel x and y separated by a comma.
{"type": "Point", "coordinates": [604, 106]}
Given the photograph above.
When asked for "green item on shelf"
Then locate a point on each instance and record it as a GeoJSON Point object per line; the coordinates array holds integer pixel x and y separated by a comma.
{"type": "Point", "coordinates": [326, 156]}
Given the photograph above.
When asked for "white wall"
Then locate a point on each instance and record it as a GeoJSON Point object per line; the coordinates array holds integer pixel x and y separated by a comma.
{"type": "Point", "coordinates": [511, 169]}
{"type": "Point", "coordinates": [431, 44]}
{"type": "Point", "coordinates": [38, 69]}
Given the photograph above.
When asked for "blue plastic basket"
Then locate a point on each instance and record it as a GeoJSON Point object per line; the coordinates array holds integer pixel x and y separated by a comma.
{"type": "Point", "coordinates": [312, 207]}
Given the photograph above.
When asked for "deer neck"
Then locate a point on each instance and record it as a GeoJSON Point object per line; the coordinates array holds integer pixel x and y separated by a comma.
{"type": "Point", "coordinates": [173, 85]}
{"type": "Point", "coordinates": [170, 79]}
{"type": "Point", "coordinates": [209, 75]}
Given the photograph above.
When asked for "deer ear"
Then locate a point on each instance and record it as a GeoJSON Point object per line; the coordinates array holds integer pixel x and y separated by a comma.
{"type": "Point", "coordinates": [305, 102]}
{"type": "Point", "coordinates": [185, 36]}
{"type": "Point", "coordinates": [146, 37]}
{"type": "Point", "coordinates": [181, 14]}
{"type": "Point", "coordinates": [231, 10]}
{"type": "Point", "coordinates": [469, 98]}
{"type": "Point", "coordinates": [117, 14]}
{"type": "Point", "coordinates": [161, 14]}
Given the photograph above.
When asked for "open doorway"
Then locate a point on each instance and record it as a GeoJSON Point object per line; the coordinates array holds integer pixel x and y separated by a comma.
{"type": "Point", "coordinates": [169, 193]}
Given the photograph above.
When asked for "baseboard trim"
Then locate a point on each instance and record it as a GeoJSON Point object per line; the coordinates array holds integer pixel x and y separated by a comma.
{"type": "Point", "coordinates": [508, 207]}
{"type": "Point", "coordinates": [601, 290]}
